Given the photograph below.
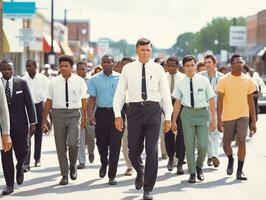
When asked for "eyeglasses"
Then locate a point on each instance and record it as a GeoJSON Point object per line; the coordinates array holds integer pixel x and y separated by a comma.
{"type": "Point", "coordinates": [239, 62]}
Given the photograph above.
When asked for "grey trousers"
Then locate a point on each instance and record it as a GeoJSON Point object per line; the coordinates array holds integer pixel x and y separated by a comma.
{"type": "Point", "coordinates": [87, 137]}
{"type": "Point", "coordinates": [66, 133]}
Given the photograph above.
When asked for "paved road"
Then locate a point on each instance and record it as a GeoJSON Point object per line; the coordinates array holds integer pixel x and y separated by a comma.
{"type": "Point", "coordinates": [42, 183]}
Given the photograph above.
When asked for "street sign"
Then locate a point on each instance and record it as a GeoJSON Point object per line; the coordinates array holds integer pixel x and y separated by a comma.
{"type": "Point", "coordinates": [22, 10]}
{"type": "Point", "coordinates": [26, 36]}
{"type": "Point", "coordinates": [237, 36]}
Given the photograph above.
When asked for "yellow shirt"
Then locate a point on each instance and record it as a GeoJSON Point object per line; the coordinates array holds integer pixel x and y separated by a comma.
{"type": "Point", "coordinates": [235, 90]}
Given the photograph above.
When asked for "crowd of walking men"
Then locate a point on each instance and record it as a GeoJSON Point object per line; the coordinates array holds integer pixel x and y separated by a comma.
{"type": "Point", "coordinates": [134, 103]}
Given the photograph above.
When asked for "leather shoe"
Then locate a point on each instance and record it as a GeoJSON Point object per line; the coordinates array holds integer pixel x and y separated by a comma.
{"type": "Point", "coordinates": [20, 177]}
{"type": "Point", "coordinates": [64, 180]}
{"type": "Point", "coordinates": [215, 161]}
{"type": "Point", "coordinates": [26, 168]}
{"type": "Point", "coordinates": [73, 172]}
{"type": "Point", "coordinates": [8, 190]}
{"type": "Point", "coordinates": [199, 174]}
{"type": "Point", "coordinates": [91, 158]}
{"type": "Point", "coordinates": [102, 171]}
{"type": "Point", "coordinates": [37, 163]}
{"type": "Point", "coordinates": [81, 166]}
{"type": "Point", "coordinates": [128, 172]}
{"type": "Point", "coordinates": [230, 167]}
{"type": "Point", "coordinates": [170, 165]}
{"type": "Point", "coordinates": [180, 170]}
{"type": "Point", "coordinates": [192, 178]}
{"type": "Point", "coordinates": [139, 181]}
{"type": "Point", "coordinates": [147, 195]}
{"type": "Point", "coordinates": [241, 176]}
{"type": "Point", "coordinates": [112, 181]}
{"type": "Point", "coordinates": [209, 162]}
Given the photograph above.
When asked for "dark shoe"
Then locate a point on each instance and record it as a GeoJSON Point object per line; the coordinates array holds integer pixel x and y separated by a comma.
{"type": "Point", "coordinates": [230, 167]}
{"type": "Point", "coordinates": [73, 172]}
{"type": "Point", "coordinates": [164, 156]}
{"type": "Point", "coordinates": [170, 164]}
{"type": "Point", "coordinates": [37, 163]}
{"type": "Point", "coordinates": [147, 195]}
{"type": "Point", "coordinates": [91, 158]}
{"type": "Point", "coordinates": [180, 170]}
{"type": "Point", "coordinates": [241, 176]}
{"type": "Point", "coordinates": [192, 178]}
{"type": "Point", "coordinates": [199, 174]}
{"type": "Point", "coordinates": [64, 180]}
{"type": "Point", "coordinates": [209, 162]}
{"type": "Point", "coordinates": [26, 168]}
{"type": "Point", "coordinates": [102, 171]}
{"type": "Point", "coordinates": [128, 172]}
{"type": "Point", "coordinates": [139, 181]}
{"type": "Point", "coordinates": [112, 181]}
{"type": "Point", "coordinates": [81, 166]}
{"type": "Point", "coordinates": [216, 162]}
{"type": "Point", "coordinates": [20, 177]}
{"type": "Point", "coordinates": [8, 190]}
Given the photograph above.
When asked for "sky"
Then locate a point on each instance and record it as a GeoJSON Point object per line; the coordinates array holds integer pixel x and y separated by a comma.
{"type": "Point", "coordinates": [159, 20]}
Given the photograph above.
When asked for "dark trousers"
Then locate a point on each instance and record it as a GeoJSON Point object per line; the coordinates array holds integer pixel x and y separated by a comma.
{"type": "Point", "coordinates": [175, 143]}
{"type": "Point", "coordinates": [144, 123]}
{"type": "Point", "coordinates": [37, 136]}
{"type": "Point", "coordinates": [108, 139]}
{"type": "Point", "coordinates": [19, 142]}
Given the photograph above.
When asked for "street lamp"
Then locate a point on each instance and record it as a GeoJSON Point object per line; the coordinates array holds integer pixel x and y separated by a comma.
{"type": "Point", "coordinates": [51, 55]}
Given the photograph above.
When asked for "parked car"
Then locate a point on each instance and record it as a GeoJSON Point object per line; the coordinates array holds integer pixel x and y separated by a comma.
{"type": "Point", "coordinates": [262, 98]}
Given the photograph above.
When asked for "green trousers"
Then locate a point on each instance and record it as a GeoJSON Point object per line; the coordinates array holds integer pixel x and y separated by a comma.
{"type": "Point", "coordinates": [195, 128]}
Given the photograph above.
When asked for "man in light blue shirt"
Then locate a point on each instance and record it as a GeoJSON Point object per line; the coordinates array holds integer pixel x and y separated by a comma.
{"type": "Point", "coordinates": [102, 88]}
{"type": "Point", "coordinates": [195, 94]}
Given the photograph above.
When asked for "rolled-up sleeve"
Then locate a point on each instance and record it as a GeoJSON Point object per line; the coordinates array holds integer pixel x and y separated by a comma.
{"type": "Point", "coordinates": [4, 113]}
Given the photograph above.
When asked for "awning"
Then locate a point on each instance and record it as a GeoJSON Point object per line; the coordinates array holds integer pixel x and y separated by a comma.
{"type": "Point", "coordinates": [46, 42]}
{"type": "Point", "coordinates": [11, 36]}
{"type": "Point", "coordinates": [66, 49]}
{"type": "Point", "coordinates": [257, 50]}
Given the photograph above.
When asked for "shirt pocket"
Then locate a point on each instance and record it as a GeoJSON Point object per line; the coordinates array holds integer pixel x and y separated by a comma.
{"type": "Point", "coordinates": [75, 94]}
{"type": "Point", "coordinates": [152, 84]}
{"type": "Point", "coordinates": [201, 94]}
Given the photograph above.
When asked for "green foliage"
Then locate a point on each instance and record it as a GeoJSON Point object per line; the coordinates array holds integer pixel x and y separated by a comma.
{"type": "Point", "coordinates": [124, 47]}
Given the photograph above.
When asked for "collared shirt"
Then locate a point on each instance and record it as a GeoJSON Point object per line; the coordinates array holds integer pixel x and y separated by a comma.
{"type": "Point", "coordinates": [177, 76]}
{"type": "Point", "coordinates": [130, 85]}
{"type": "Point", "coordinates": [10, 84]}
{"type": "Point", "coordinates": [87, 81]}
{"type": "Point", "coordinates": [38, 87]}
{"type": "Point", "coordinates": [77, 91]}
{"type": "Point", "coordinates": [103, 88]}
{"type": "Point", "coordinates": [4, 114]}
{"type": "Point", "coordinates": [202, 91]}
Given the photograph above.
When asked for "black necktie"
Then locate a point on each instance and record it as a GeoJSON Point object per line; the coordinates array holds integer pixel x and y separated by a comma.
{"type": "Point", "coordinates": [8, 93]}
{"type": "Point", "coordinates": [143, 84]}
{"type": "Point", "coordinates": [191, 94]}
{"type": "Point", "coordinates": [66, 90]}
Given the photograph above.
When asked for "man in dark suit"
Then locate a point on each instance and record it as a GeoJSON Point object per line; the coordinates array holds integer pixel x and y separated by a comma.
{"type": "Point", "coordinates": [22, 116]}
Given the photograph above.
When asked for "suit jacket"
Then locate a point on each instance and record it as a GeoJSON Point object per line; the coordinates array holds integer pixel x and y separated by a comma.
{"type": "Point", "coordinates": [22, 110]}
{"type": "Point", "coordinates": [4, 114]}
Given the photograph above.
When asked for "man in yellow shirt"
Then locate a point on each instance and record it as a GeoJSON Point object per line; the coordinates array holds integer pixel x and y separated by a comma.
{"type": "Point", "coordinates": [234, 104]}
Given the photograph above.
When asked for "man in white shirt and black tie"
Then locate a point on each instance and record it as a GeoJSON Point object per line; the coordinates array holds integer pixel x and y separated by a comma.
{"type": "Point", "coordinates": [67, 95]}
{"type": "Point", "coordinates": [38, 85]}
{"type": "Point", "coordinates": [146, 86]}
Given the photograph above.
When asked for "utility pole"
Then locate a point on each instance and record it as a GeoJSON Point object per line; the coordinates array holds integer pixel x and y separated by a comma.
{"type": "Point", "coordinates": [1, 29]}
{"type": "Point", "coordinates": [234, 23]}
{"type": "Point", "coordinates": [65, 17]}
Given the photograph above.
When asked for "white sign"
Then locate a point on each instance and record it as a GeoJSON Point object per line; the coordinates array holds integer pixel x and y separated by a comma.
{"type": "Point", "coordinates": [237, 36]}
{"type": "Point", "coordinates": [26, 36]}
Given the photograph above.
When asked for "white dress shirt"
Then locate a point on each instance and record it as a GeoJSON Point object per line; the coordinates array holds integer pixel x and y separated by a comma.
{"type": "Point", "coordinates": [177, 76]}
{"type": "Point", "coordinates": [10, 84]}
{"type": "Point", "coordinates": [129, 87]}
{"type": "Point", "coordinates": [202, 91]}
{"type": "Point", "coordinates": [38, 86]}
{"type": "Point", "coordinates": [77, 90]}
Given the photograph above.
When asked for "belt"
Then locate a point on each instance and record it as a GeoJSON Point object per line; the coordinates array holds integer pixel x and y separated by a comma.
{"type": "Point", "coordinates": [142, 103]}
{"type": "Point", "coordinates": [194, 108]}
{"type": "Point", "coordinates": [105, 108]}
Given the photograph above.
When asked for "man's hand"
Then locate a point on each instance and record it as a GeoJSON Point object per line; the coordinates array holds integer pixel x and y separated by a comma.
{"type": "Point", "coordinates": [253, 128]}
{"type": "Point", "coordinates": [119, 123]}
{"type": "Point", "coordinates": [220, 126]}
{"type": "Point", "coordinates": [7, 143]}
{"type": "Point", "coordinates": [32, 129]}
{"type": "Point", "coordinates": [83, 122]}
{"type": "Point", "coordinates": [166, 126]}
{"type": "Point", "coordinates": [46, 127]}
{"type": "Point", "coordinates": [92, 120]}
{"type": "Point", "coordinates": [174, 128]}
{"type": "Point", "coordinates": [212, 126]}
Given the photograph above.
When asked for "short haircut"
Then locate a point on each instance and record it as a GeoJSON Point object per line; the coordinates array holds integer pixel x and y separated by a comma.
{"type": "Point", "coordinates": [5, 61]}
{"type": "Point", "coordinates": [108, 56]}
{"type": "Point", "coordinates": [143, 41]}
{"type": "Point", "coordinates": [246, 67]}
{"type": "Point", "coordinates": [188, 58]}
{"type": "Point", "coordinates": [174, 59]}
{"type": "Point", "coordinates": [127, 58]}
{"type": "Point", "coordinates": [233, 57]}
{"type": "Point", "coordinates": [81, 63]}
{"type": "Point", "coordinates": [66, 59]}
{"type": "Point", "coordinates": [212, 57]}
{"type": "Point", "coordinates": [156, 59]}
{"type": "Point", "coordinates": [31, 61]}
